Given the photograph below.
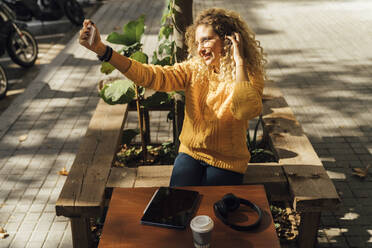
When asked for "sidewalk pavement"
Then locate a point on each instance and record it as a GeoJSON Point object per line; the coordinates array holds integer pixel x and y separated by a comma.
{"type": "Point", "coordinates": [319, 53]}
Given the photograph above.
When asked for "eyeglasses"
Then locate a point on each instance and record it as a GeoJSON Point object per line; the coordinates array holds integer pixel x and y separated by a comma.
{"type": "Point", "coordinates": [206, 42]}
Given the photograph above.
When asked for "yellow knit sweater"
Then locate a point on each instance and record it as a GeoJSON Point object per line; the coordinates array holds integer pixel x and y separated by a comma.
{"type": "Point", "coordinates": [216, 113]}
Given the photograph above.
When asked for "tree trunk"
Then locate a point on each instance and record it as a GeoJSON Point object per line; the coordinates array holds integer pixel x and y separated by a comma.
{"type": "Point", "coordinates": [182, 18]}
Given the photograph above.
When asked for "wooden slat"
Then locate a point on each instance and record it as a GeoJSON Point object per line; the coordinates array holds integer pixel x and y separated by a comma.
{"type": "Point", "coordinates": [121, 177]}
{"type": "Point", "coordinates": [153, 176]}
{"type": "Point", "coordinates": [311, 188]}
{"type": "Point", "coordinates": [272, 176]}
{"type": "Point", "coordinates": [83, 191]}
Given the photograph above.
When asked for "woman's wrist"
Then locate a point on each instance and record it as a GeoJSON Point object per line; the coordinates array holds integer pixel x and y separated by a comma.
{"type": "Point", "coordinates": [100, 49]}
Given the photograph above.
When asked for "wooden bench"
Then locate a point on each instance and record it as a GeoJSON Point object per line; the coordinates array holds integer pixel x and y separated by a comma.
{"type": "Point", "coordinates": [298, 176]}
{"type": "Point", "coordinates": [82, 196]}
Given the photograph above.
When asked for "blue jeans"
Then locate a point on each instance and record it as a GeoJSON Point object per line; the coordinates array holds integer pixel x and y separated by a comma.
{"type": "Point", "coordinates": [188, 171]}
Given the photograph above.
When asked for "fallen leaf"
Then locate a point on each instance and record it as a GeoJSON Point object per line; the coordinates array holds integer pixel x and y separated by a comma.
{"type": "Point", "coordinates": [22, 138]}
{"type": "Point", "coordinates": [362, 173]}
{"type": "Point", "coordinates": [117, 28]}
{"type": "Point", "coordinates": [63, 172]}
{"type": "Point", "coordinates": [3, 233]}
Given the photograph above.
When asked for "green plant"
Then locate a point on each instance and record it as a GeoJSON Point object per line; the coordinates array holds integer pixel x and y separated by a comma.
{"type": "Point", "coordinates": [125, 91]}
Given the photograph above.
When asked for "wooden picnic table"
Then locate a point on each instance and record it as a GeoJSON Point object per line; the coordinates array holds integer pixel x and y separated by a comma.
{"type": "Point", "coordinates": [122, 226]}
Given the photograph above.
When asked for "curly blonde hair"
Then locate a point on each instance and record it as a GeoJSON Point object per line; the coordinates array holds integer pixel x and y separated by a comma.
{"type": "Point", "coordinates": [225, 22]}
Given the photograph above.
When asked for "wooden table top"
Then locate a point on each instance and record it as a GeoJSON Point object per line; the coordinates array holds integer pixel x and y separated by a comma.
{"type": "Point", "coordinates": [122, 227]}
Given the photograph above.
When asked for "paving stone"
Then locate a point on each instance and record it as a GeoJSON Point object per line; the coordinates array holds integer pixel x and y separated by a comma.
{"type": "Point", "coordinates": [16, 217]}
{"type": "Point", "coordinates": [356, 242]}
{"type": "Point", "coordinates": [53, 238]}
{"type": "Point", "coordinates": [34, 244]}
{"type": "Point", "coordinates": [5, 243]}
{"type": "Point", "coordinates": [38, 236]}
{"type": "Point", "coordinates": [26, 227]}
{"type": "Point", "coordinates": [6, 208]}
{"type": "Point", "coordinates": [31, 217]}
{"type": "Point", "coordinates": [22, 208]}
{"type": "Point", "coordinates": [58, 226]}
{"type": "Point", "coordinates": [66, 240]}
{"type": "Point", "coordinates": [20, 239]}
{"type": "Point", "coordinates": [37, 207]}
{"type": "Point", "coordinates": [50, 208]}
{"type": "Point", "coordinates": [12, 226]}
{"type": "Point", "coordinates": [4, 216]}
{"type": "Point", "coordinates": [43, 226]}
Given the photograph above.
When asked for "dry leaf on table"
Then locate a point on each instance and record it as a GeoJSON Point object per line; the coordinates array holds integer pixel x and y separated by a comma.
{"type": "Point", "coordinates": [22, 137]}
{"type": "Point", "coordinates": [362, 173]}
{"type": "Point", "coordinates": [3, 233]}
{"type": "Point", "coordinates": [63, 172]}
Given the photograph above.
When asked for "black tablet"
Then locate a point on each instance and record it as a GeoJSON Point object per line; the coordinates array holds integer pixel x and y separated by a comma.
{"type": "Point", "coordinates": [170, 207]}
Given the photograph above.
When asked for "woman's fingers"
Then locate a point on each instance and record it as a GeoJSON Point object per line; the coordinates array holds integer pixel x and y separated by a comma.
{"type": "Point", "coordinates": [235, 37]}
{"type": "Point", "coordinates": [231, 38]}
{"type": "Point", "coordinates": [85, 33]}
{"type": "Point", "coordinates": [237, 48]}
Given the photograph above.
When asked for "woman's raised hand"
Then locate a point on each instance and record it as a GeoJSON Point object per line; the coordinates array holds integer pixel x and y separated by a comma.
{"type": "Point", "coordinates": [85, 36]}
{"type": "Point", "coordinates": [237, 47]}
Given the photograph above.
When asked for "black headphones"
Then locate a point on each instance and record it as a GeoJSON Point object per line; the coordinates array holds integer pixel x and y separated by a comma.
{"type": "Point", "coordinates": [230, 203]}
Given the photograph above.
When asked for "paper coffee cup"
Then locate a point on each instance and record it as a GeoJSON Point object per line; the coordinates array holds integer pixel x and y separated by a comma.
{"type": "Point", "coordinates": [202, 226]}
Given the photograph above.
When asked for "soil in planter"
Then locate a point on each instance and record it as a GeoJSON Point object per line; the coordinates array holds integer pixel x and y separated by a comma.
{"type": "Point", "coordinates": [157, 154]}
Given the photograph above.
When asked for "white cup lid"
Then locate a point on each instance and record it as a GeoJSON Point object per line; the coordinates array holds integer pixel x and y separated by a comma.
{"type": "Point", "coordinates": [201, 223]}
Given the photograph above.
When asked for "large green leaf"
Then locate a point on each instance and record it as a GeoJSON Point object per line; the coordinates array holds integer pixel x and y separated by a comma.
{"type": "Point", "coordinates": [165, 31]}
{"type": "Point", "coordinates": [140, 57]}
{"type": "Point", "coordinates": [117, 38]}
{"type": "Point", "coordinates": [168, 47]}
{"type": "Point", "coordinates": [132, 33]}
{"type": "Point", "coordinates": [118, 92]}
{"type": "Point", "coordinates": [134, 30]}
{"type": "Point", "coordinates": [107, 68]}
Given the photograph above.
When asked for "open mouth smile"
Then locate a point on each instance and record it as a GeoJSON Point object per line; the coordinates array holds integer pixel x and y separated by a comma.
{"type": "Point", "coordinates": [207, 56]}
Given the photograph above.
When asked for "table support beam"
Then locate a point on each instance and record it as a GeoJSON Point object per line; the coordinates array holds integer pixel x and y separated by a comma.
{"type": "Point", "coordinates": [308, 229]}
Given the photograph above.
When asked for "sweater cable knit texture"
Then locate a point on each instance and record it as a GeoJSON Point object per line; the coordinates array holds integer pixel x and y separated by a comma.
{"type": "Point", "coordinates": [216, 113]}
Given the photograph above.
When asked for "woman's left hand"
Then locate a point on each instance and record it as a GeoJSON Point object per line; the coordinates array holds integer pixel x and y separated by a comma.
{"type": "Point", "coordinates": [237, 48]}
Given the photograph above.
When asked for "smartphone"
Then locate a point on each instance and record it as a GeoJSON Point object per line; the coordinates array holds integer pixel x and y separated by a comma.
{"type": "Point", "coordinates": [92, 34]}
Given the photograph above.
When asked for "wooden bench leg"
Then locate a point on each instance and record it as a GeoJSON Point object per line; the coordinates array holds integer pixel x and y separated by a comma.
{"type": "Point", "coordinates": [308, 230]}
{"type": "Point", "coordinates": [81, 233]}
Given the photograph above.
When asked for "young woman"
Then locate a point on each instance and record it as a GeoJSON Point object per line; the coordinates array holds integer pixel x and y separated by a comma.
{"type": "Point", "coordinates": [223, 82]}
